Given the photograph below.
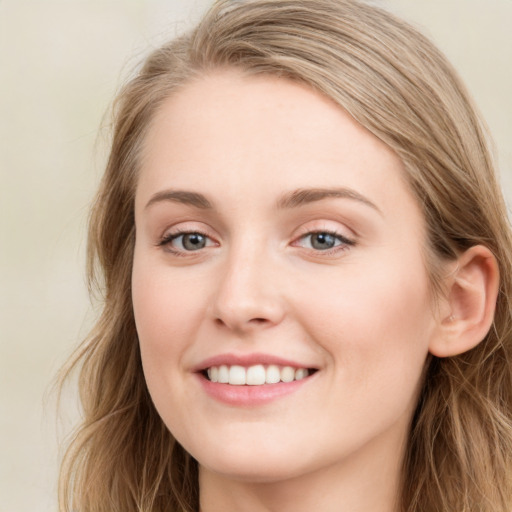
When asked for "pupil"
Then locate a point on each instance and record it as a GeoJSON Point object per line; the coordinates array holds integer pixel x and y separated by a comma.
{"type": "Point", "coordinates": [193, 241]}
{"type": "Point", "coordinates": [323, 241]}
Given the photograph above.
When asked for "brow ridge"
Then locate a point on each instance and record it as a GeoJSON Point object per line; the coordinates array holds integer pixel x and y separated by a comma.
{"type": "Point", "coordinates": [305, 196]}
{"type": "Point", "coordinates": [181, 196]}
{"type": "Point", "coordinates": [294, 199]}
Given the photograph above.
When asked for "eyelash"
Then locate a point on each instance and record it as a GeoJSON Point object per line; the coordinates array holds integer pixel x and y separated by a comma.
{"type": "Point", "coordinates": [344, 244]}
{"type": "Point", "coordinates": [170, 237]}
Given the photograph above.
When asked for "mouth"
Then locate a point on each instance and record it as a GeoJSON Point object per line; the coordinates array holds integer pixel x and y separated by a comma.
{"type": "Point", "coordinates": [252, 380]}
{"type": "Point", "coordinates": [255, 375]}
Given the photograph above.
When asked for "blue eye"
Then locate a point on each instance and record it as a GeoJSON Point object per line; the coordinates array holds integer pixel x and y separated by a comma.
{"type": "Point", "coordinates": [186, 241]}
{"type": "Point", "coordinates": [192, 241]}
{"type": "Point", "coordinates": [324, 240]}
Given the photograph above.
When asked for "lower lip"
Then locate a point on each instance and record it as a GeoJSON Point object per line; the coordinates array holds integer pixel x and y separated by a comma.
{"type": "Point", "coordinates": [250, 395]}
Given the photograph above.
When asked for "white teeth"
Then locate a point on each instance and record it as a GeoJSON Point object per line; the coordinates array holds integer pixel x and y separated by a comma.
{"type": "Point", "coordinates": [223, 374]}
{"type": "Point", "coordinates": [301, 373]}
{"type": "Point", "coordinates": [273, 374]}
{"type": "Point", "coordinates": [256, 375]}
{"type": "Point", "coordinates": [213, 374]}
{"type": "Point", "coordinates": [237, 375]}
{"type": "Point", "coordinates": [287, 374]}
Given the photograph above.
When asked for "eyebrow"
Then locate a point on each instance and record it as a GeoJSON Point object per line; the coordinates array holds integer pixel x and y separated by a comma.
{"type": "Point", "coordinates": [181, 196]}
{"type": "Point", "coordinates": [294, 199]}
{"type": "Point", "coordinates": [304, 196]}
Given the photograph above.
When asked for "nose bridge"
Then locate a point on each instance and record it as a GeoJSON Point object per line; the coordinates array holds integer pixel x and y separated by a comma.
{"type": "Point", "coordinates": [247, 293]}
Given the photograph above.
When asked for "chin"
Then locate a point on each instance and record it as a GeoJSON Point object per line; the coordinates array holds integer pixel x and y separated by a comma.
{"type": "Point", "coordinates": [255, 471]}
{"type": "Point", "coordinates": [256, 462]}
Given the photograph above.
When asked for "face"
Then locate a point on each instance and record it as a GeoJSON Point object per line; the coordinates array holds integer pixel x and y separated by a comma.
{"type": "Point", "coordinates": [279, 287]}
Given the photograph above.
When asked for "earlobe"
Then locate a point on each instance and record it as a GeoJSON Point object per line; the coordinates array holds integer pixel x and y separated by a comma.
{"type": "Point", "coordinates": [472, 290]}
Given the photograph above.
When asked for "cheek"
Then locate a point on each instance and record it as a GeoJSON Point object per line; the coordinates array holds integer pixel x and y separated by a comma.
{"type": "Point", "coordinates": [167, 310]}
{"type": "Point", "coordinates": [376, 326]}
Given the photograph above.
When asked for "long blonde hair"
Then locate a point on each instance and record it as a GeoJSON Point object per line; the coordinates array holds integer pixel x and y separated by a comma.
{"type": "Point", "coordinates": [395, 83]}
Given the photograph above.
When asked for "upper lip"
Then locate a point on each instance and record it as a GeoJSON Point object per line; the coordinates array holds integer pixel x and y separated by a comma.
{"type": "Point", "coordinates": [247, 360]}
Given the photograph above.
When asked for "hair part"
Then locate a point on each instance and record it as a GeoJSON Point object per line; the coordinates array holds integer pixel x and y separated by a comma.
{"type": "Point", "coordinates": [396, 84]}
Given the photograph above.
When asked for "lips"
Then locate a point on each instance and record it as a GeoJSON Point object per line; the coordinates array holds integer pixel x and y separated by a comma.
{"type": "Point", "coordinates": [251, 379]}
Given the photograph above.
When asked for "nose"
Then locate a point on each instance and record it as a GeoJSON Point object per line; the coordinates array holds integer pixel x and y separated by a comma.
{"type": "Point", "coordinates": [248, 296]}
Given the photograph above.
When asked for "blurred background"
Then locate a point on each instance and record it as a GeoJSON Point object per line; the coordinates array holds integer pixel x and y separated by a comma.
{"type": "Point", "coordinates": [61, 62]}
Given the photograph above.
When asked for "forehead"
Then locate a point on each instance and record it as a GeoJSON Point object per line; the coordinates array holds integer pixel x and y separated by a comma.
{"type": "Point", "coordinates": [258, 134]}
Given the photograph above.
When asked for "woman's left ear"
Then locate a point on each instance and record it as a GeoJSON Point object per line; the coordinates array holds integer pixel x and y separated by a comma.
{"type": "Point", "coordinates": [469, 305]}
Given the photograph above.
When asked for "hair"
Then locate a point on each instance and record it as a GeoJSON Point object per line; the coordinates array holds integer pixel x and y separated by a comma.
{"type": "Point", "coordinates": [395, 83]}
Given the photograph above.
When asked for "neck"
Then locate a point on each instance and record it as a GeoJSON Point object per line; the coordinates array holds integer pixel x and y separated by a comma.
{"type": "Point", "coordinates": [366, 481]}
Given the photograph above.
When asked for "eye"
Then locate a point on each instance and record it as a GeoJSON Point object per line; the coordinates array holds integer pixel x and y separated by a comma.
{"type": "Point", "coordinates": [191, 241]}
{"type": "Point", "coordinates": [186, 241]}
{"type": "Point", "coordinates": [323, 241]}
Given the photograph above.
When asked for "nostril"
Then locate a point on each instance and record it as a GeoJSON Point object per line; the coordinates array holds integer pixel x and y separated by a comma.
{"type": "Point", "coordinates": [252, 320]}
{"type": "Point", "coordinates": [258, 320]}
{"type": "Point", "coordinates": [256, 313]}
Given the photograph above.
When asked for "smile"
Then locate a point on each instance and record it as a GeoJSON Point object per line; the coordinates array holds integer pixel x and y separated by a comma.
{"type": "Point", "coordinates": [249, 380]}
{"type": "Point", "coordinates": [256, 375]}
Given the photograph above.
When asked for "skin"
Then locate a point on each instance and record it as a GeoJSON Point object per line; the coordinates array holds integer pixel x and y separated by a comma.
{"type": "Point", "coordinates": [361, 313]}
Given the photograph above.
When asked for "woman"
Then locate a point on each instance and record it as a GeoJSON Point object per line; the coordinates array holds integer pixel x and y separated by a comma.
{"type": "Point", "coordinates": [307, 271]}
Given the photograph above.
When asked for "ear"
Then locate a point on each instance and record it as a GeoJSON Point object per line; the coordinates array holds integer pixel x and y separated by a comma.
{"type": "Point", "coordinates": [468, 311]}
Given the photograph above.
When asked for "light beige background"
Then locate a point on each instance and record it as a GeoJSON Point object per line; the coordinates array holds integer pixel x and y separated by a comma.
{"type": "Point", "coordinates": [60, 63]}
